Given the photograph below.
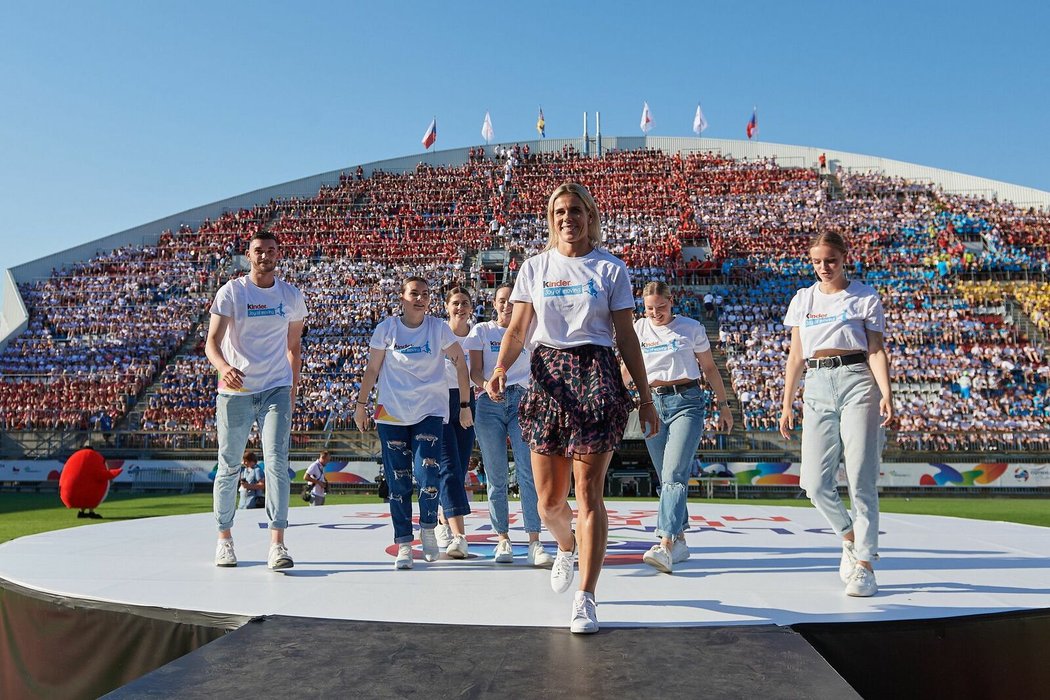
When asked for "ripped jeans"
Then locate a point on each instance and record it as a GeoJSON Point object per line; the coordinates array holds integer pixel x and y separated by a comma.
{"type": "Point", "coordinates": [409, 449]}
{"type": "Point", "coordinates": [672, 451]}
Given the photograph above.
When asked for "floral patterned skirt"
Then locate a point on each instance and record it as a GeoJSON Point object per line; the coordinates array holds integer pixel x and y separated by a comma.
{"type": "Point", "coordinates": [576, 402]}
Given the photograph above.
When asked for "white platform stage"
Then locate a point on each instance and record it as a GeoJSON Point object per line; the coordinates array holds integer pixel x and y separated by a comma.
{"type": "Point", "coordinates": [750, 565]}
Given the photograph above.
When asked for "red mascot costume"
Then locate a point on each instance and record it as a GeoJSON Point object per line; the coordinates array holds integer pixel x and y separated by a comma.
{"type": "Point", "coordinates": [84, 482]}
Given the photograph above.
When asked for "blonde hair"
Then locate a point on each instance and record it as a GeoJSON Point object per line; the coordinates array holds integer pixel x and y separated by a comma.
{"type": "Point", "coordinates": [594, 226]}
{"type": "Point", "coordinates": [658, 288]}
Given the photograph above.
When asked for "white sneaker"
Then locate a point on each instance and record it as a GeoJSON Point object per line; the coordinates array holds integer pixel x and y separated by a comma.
{"type": "Point", "coordinates": [458, 548]}
{"type": "Point", "coordinates": [584, 614]}
{"type": "Point", "coordinates": [848, 562]}
{"type": "Point", "coordinates": [430, 545]}
{"type": "Point", "coordinates": [538, 556]}
{"type": "Point", "coordinates": [862, 583]}
{"type": "Point", "coordinates": [504, 552]}
{"type": "Point", "coordinates": [224, 555]}
{"type": "Point", "coordinates": [404, 557]}
{"type": "Point", "coordinates": [679, 550]}
{"type": "Point", "coordinates": [659, 558]}
{"type": "Point", "coordinates": [562, 571]}
{"type": "Point", "coordinates": [279, 557]}
{"type": "Point", "coordinates": [443, 533]}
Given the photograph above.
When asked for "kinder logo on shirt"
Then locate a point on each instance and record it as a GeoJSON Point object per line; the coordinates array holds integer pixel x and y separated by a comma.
{"type": "Point", "coordinates": [653, 346]}
{"type": "Point", "coordinates": [494, 346]}
{"type": "Point", "coordinates": [256, 310]}
{"type": "Point", "coordinates": [821, 319]}
{"type": "Point", "coordinates": [564, 288]}
{"type": "Point", "coordinates": [410, 349]}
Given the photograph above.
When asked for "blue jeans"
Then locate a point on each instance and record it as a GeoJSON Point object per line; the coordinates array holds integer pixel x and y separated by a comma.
{"type": "Point", "coordinates": [672, 451]}
{"type": "Point", "coordinates": [457, 443]}
{"type": "Point", "coordinates": [407, 449]}
{"type": "Point", "coordinates": [841, 421]}
{"type": "Point", "coordinates": [495, 423]}
{"type": "Point", "coordinates": [234, 415]}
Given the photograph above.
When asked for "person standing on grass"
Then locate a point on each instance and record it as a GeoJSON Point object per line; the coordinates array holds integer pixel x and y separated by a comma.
{"type": "Point", "coordinates": [255, 344]}
{"type": "Point", "coordinates": [315, 476]}
{"type": "Point", "coordinates": [837, 328]}
{"type": "Point", "coordinates": [579, 298]}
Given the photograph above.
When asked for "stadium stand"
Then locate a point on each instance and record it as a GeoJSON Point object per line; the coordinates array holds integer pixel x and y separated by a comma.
{"type": "Point", "coordinates": [115, 343]}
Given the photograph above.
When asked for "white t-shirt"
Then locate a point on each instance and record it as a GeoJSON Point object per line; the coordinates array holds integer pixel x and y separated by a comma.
{"type": "Point", "coordinates": [835, 321]}
{"type": "Point", "coordinates": [487, 337]}
{"type": "Point", "coordinates": [316, 471]}
{"type": "Point", "coordinates": [256, 340]}
{"type": "Point", "coordinates": [669, 351]}
{"type": "Point", "coordinates": [411, 382]}
{"type": "Point", "coordinates": [573, 297]}
{"type": "Point", "coordinates": [451, 376]}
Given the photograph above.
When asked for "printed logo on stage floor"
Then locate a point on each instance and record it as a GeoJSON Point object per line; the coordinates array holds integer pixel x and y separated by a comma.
{"type": "Point", "coordinates": [631, 531]}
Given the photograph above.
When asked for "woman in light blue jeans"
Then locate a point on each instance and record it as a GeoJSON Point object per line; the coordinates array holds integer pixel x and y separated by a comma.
{"type": "Point", "coordinates": [837, 329]}
{"type": "Point", "coordinates": [675, 350]}
{"type": "Point", "coordinates": [496, 422]}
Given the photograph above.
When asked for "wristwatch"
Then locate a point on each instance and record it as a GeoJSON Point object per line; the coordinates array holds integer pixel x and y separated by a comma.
{"type": "Point", "coordinates": [464, 404]}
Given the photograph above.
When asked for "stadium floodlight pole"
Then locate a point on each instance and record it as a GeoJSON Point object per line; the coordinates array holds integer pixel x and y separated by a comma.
{"type": "Point", "coordinates": [598, 133]}
{"type": "Point", "coordinates": [586, 138]}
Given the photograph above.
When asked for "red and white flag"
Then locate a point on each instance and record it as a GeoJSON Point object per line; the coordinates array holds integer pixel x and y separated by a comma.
{"type": "Point", "coordinates": [647, 118]}
{"type": "Point", "coordinates": [431, 135]}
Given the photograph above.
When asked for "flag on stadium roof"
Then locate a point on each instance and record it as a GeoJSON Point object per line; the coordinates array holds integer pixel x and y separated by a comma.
{"type": "Point", "coordinates": [431, 135]}
{"type": "Point", "coordinates": [647, 118]}
{"type": "Point", "coordinates": [752, 126]}
{"type": "Point", "coordinates": [486, 129]}
{"type": "Point", "coordinates": [541, 125]}
{"type": "Point", "coordinates": [699, 123]}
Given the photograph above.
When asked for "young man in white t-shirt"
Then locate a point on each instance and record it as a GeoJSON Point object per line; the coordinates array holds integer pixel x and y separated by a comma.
{"type": "Point", "coordinates": [255, 345]}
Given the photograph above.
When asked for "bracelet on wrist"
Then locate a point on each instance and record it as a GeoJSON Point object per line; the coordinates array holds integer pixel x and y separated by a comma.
{"type": "Point", "coordinates": [646, 403]}
{"type": "Point", "coordinates": [499, 369]}
{"type": "Point", "coordinates": [362, 403]}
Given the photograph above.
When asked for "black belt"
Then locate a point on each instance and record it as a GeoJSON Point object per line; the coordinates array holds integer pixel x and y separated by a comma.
{"type": "Point", "coordinates": [837, 361]}
{"type": "Point", "coordinates": [674, 388]}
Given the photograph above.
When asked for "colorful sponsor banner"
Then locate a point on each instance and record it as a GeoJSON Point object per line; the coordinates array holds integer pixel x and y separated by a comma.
{"type": "Point", "coordinates": [906, 474]}
{"type": "Point", "coordinates": [990, 474]}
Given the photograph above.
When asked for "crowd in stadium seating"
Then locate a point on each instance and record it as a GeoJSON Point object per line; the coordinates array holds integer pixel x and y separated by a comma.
{"type": "Point", "coordinates": [103, 335]}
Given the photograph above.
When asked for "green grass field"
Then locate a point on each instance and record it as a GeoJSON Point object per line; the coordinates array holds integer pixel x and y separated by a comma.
{"type": "Point", "coordinates": [30, 513]}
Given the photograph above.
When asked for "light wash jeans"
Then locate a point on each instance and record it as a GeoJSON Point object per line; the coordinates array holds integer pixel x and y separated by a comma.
{"type": "Point", "coordinates": [495, 422]}
{"type": "Point", "coordinates": [840, 422]}
{"type": "Point", "coordinates": [672, 451]}
{"type": "Point", "coordinates": [407, 449]}
{"type": "Point", "coordinates": [457, 443]}
{"type": "Point", "coordinates": [234, 415]}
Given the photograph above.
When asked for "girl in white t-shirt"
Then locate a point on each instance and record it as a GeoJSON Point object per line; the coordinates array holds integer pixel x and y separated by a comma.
{"type": "Point", "coordinates": [574, 294]}
{"type": "Point", "coordinates": [837, 329]}
{"type": "Point", "coordinates": [457, 442]}
{"type": "Point", "coordinates": [406, 357]}
{"type": "Point", "coordinates": [675, 350]}
{"type": "Point", "coordinates": [497, 422]}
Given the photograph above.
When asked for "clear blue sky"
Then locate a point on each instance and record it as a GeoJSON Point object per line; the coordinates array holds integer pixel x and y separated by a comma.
{"type": "Point", "coordinates": [113, 114]}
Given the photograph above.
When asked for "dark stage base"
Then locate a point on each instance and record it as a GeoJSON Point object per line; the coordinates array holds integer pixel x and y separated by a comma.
{"type": "Point", "coordinates": [303, 657]}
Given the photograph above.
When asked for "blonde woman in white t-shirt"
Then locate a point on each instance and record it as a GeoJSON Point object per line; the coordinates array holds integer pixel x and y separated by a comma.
{"type": "Point", "coordinates": [575, 411]}
{"type": "Point", "coordinates": [675, 350]}
{"type": "Point", "coordinates": [837, 329]}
